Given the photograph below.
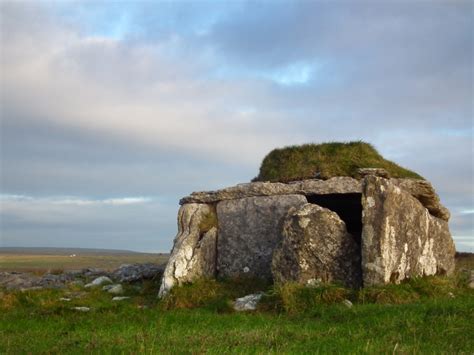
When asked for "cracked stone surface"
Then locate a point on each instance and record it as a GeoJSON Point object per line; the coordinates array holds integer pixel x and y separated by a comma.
{"type": "Point", "coordinates": [424, 192]}
{"type": "Point", "coordinates": [249, 231]}
{"type": "Point", "coordinates": [400, 238]}
{"type": "Point", "coordinates": [304, 187]}
{"type": "Point", "coordinates": [194, 250]}
{"type": "Point", "coordinates": [316, 246]}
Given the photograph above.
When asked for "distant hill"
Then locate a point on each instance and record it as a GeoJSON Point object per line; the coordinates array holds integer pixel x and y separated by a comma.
{"type": "Point", "coordinates": [69, 251]}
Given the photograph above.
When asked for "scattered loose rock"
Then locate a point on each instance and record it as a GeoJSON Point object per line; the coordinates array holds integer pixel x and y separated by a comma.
{"type": "Point", "coordinates": [18, 280]}
{"type": "Point", "coordinates": [34, 288]}
{"type": "Point", "coordinates": [81, 309]}
{"type": "Point", "coordinates": [115, 289]}
{"type": "Point", "coordinates": [347, 303]}
{"type": "Point", "coordinates": [99, 281]}
{"type": "Point", "coordinates": [120, 298]}
{"type": "Point", "coordinates": [93, 272]}
{"type": "Point", "coordinates": [247, 303]}
{"type": "Point", "coordinates": [137, 272]}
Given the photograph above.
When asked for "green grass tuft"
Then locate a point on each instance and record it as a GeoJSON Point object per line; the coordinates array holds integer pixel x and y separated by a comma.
{"type": "Point", "coordinates": [324, 161]}
{"type": "Point", "coordinates": [212, 294]}
{"type": "Point", "coordinates": [295, 298]}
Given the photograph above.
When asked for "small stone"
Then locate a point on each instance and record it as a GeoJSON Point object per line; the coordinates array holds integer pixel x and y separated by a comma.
{"type": "Point", "coordinates": [34, 288]}
{"type": "Point", "coordinates": [313, 282]}
{"type": "Point", "coordinates": [120, 298]}
{"type": "Point", "coordinates": [81, 309]}
{"type": "Point", "coordinates": [115, 289]}
{"type": "Point", "coordinates": [247, 303]}
{"type": "Point", "coordinates": [65, 299]}
{"type": "Point", "coordinates": [450, 294]}
{"type": "Point", "coordinates": [347, 303]}
{"type": "Point", "coordinates": [137, 272]}
{"type": "Point", "coordinates": [99, 281]}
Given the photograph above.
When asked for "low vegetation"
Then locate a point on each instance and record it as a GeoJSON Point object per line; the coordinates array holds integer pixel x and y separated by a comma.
{"type": "Point", "coordinates": [422, 315]}
{"type": "Point", "coordinates": [325, 161]}
{"type": "Point", "coordinates": [41, 263]}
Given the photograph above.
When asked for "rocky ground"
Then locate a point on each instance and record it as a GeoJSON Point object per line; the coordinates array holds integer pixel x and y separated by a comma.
{"type": "Point", "coordinates": [111, 281]}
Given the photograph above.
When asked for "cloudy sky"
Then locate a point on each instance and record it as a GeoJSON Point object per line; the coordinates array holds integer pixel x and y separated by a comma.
{"type": "Point", "coordinates": [110, 112]}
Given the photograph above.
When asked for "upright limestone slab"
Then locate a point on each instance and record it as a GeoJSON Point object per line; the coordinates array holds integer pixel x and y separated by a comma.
{"type": "Point", "coordinates": [316, 247]}
{"type": "Point", "coordinates": [249, 231]}
{"type": "Point", "coordinates": [400, 238]}
{"type": "Point", "coordinates": [194, 250]}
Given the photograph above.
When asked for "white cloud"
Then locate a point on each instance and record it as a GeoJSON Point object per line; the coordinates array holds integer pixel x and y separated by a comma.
{"type": "Point", "coordinates": [6, 199]}
{"type": "Point", "coordinates": [219, 101]}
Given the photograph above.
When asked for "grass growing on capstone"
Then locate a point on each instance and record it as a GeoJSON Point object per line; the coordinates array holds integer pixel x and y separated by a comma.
{"type": "Point", "coordinates": [324, 161]}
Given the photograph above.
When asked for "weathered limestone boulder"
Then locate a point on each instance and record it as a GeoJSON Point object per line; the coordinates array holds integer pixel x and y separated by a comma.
{"type": "Point", "coordinates": [424, 192]}
{"type": "Point", "coordinates": [194, 249]}
{"type": "Point", "coordinates": [248, 303]}
{"type": "Point", "coordinates": [249, 231]}
{"type": "Point", "coordinates": [137, 272]}
{"type": "Point", "coordinates": [316, 246]}
{"type": "Point", "coordinates": [400, 238]}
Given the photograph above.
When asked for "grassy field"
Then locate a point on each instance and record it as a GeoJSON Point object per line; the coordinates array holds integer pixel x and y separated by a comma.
{"type": "Point", "coordinates": [430, 315]}
{"type": "Point", "coordinates": [48, 260]}
{"type": "Point", "coordinates": [436, 326]}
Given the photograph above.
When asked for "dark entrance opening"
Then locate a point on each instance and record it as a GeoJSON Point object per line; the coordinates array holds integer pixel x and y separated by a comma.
{"type": "Point", "coordinates": [347, 206]}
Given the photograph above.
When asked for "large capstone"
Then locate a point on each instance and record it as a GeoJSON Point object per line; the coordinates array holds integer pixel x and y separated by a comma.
{"type": "Point", "coordinates": [335, 185]}
{"type": "Point", "coordinates": [194, 250]}
{"type": "Point", "coordinates": [400, 238]}
{"type": "Point", "coordinates": [249, 231]}
{"type": "Point", "coordinates": [316, 247]}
